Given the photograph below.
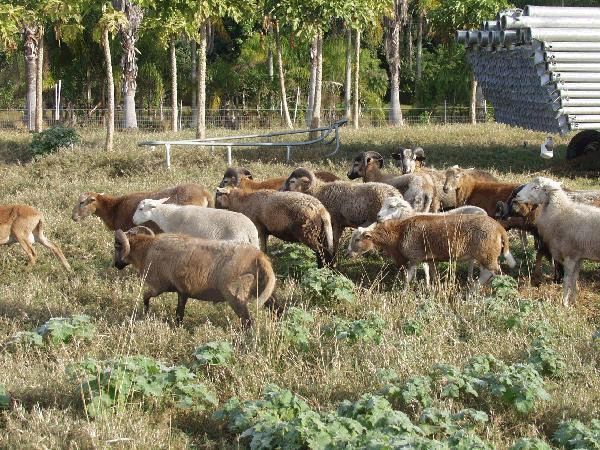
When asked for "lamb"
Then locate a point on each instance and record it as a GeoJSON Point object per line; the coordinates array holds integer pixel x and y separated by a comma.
{"type": "Point", "coordinates": [25, 225]}
{"type": "Point", "coordinates": [117, 212]}
{"type": "Point", "coordinates": [473, 191]}
{"type": "Point", "coordinates": [418, 189]}
{"type": "Point", "coordinates": [433, 238]}
{"type": "Point", "coordinates": [349, 204]}
{"type": "Point", "coordinates": [570, 229]}
{"type": "Point", "coordinates": [290, 216]}
{"type": "Point", "coordinates": [242, 178]}
{"type": "Point", "coordinates": [205, 270]}
{"type": "Point", "coordinates": [197, 221]}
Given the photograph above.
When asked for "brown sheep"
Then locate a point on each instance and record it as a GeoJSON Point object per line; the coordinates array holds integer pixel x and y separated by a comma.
{"type": "Point", "coordinates": [433, 238]}
{"type": "Point", "coordinates": [417, 189]}
{"type": "Point", "coordinates": [25, 225]}
{"type": "Point", "coordinates": [242, 178]}
{"type": "Point", "coordinates": [216, 271]}
{"type": "Point", "coordinates": [472, 191]}
{"type": "Point", "coordinates": [117, 212]}
{"type": "Point", "coordinates": [349, 204]}
{"type": "Point", "coordinates": [289, 216]}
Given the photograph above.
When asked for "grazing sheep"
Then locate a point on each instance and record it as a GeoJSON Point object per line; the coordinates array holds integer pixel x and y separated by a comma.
{"type": "Point", "coordinates": [433, 238]}
{"type": "Point", "coordinates": [242, 178]}
{"type": "Point", "coordinates": [197, 221]}
{"type": "Point", "coordinates": [472, 190]}
{"type": "Point", "coordinates": [418, 189]}
{"type": "Point", "coordinates": [25, 225]}
{"type": "Point", "coordinates": [290, 216]}
{"type": "Point", "coordinates": [349, 204]}
{"type": "Point", "coordinates": [570, 229]}
{"type": "Point", "coordinates": [117, 212]}
{"type": "Point", "coordinates": [216, 271]}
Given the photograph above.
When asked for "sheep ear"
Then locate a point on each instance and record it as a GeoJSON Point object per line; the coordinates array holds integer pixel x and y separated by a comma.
{"type": "Point", "coordinates": [455, 166]}
{"type": "Point", "coordinates": [163, 200]}
{"type": "Point", "coordinates": [246, 173]}
{"type": "Point", "coordinates": [222, 190]}
{"type": "Point", "coordinates": [419, 154]}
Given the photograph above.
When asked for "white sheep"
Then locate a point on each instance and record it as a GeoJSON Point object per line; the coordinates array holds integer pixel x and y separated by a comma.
{"type": "Point", "coordinates": [197, 221]}
{"type": "Point", "coordinates": [569, 229]}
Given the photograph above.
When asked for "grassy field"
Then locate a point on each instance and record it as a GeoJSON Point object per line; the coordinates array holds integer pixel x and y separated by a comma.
{"type": "Point", "coordinates": [417, 330]}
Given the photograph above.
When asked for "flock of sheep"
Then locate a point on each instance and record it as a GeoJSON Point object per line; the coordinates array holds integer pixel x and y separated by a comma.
{"type": "Point", "coordinates": [187, 240]}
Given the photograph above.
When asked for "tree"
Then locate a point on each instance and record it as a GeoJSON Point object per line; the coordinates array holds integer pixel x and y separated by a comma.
{"type": "Point", "coordinates": [394, 23]}
{"type": "Point", "coordinates": [282, 90]}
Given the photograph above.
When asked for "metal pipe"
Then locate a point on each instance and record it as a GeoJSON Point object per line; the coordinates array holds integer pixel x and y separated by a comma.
{"type": "Point", "coordinates": [563, 34]}
{"type": "Point", "coordinates": [562, 11]}
{"type": "Point", "coordinates": [570, 86]}
{"type": "Point", "coordinates": [472, 37]}
{"type": "Point", "coordinates": [583, 118]}
{"type": "Point", "coordinates": [560, 46]}
{"type": "Point", "coordinates": [574, 76]}
{"type": "Point", "coordinates": [508, 37]}
{"type": "Point", "coordinates": [512, 23]}
{"type": "Point", "coordinates": [484, 37]}
{"type": "Point", "coordinates": [577, 110]}
{"type": "Point", "coordinates": [573, 67]}
{"type": "Point", "coordinates": [585, 126]}
{"type": "Point", "coordinates": [579, 57]}
{"type": "Point", "coordinates": [580, 102]}
{"type": "Point", "coordinates": [460, 37]}
{"type": "Point", "coordinates": [579, 94]}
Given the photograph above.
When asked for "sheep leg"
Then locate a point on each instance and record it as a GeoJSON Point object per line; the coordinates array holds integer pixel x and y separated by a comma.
{"type": "Point", "coordinates": [238, 294]}
{"type": "Point", "coordinates": [471, 269]}
{"type": "Point", "coordinates": [42, 239]}
{"type": "Point", "coordinates": [273, 305]}
{"type": "Point", "coordinates": [26, 246]}
{"type": "Point", "coordinates": [570, 281]}
{"type": "Point", "coordinates": [536, 278]}
{"type": "Point", "coordinates": [559, 272]}
{"type": "Point", "coordinates": [181, 302]}
{"type": "Point", "coordinates": [426, 267]}
{"type": "Point", "coordinates": [147, 296]}
{"type": "Point", "coordinates": [410, 273]}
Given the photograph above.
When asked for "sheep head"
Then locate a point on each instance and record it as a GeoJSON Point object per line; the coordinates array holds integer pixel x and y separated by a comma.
{"type": "Point", "coordinates": [362, 162]}
{"type": "Point", "coordinates": [407, 159]}
{"type": "Point", "coordinates": [300, 180]}
{"type": "Point", "coordinates": [233, 176]}
{"type": "Point", "coordinates": [222, 200]}
{"type": "Point", "coordinates": [145, 210]}
{"type": "Point", "coordinates": [453, 179]}
{"type": "Point", "coordinates": [537, 191]}
{"type": "Point", "coordinates": [394, 208]}
{"type": "Point", "coordinates": [361, 241]}
{"type": "Point", "coordinates": [86, 206]}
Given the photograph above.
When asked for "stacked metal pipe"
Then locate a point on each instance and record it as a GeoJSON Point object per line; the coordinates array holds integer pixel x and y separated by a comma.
{"type": "Point", "coordinates": [540, 66]}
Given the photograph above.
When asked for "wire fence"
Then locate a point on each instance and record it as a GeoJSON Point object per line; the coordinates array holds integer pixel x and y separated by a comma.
{"type": "Point", "coordinates": [239, 119]}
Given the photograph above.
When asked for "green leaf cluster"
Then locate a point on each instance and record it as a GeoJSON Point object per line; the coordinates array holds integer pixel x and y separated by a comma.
{"type": "Point", "coordinates": [4, 398]}
{"type": "Point", "coordinates": [53, 139]}
{"type": "Point", "coordinates": [293, 260]}
{"type": "Point", "coordinates": [63, 330]}
{"type": "Point", "coordinates": [369, 329]}
{"type": "Point", "coordinates": [530, 444]}
{"type": "Point", "coordinates": [327, 287]}
{"type": "Point", "coordinates": [573, 434]}
{"type": "Point", "coordinates": [215, 353]}
{"type": "Point", "coordinates": [295, 327]}
{"type": "Point", "coordinates": [113, 384]}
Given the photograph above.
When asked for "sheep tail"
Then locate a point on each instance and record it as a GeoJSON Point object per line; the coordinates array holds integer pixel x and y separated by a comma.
{"type": "Point", "coordinates": [510, 260]}
{"type": "Point", "coordinates": [327, 228]}
{"type": "Point", "coordinates": [266, 269]}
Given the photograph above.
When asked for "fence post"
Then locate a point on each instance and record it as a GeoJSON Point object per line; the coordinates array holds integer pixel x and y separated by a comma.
{"type": "Point", "coordinates": [445, 111]}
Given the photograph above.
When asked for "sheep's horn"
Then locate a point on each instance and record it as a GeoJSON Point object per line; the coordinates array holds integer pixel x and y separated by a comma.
{"type": "Point", "coordinates": [121, 238]}
{"type": "Point", "coordinates": [140, 229]}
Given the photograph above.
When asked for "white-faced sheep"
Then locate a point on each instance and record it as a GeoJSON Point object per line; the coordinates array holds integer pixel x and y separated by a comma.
{"type": "Point", "coordinates": [117, 212]}
{"type": "Point", "coordinates": [242, 178]}
{"type": "Point", "coordinates": [349, 204]}
{"type": "Point", "coordinates": [290, 216]}
{"type": "Point", "coordinates": [215, 271]}
{"type": "Point", "coordinates": [471, 190]}
{"type": "Point", "coordinates": [570, 229]}
{"type": "Point", "coordinates": [197, 221]}
{"type": "Point", "coordinates": [409, 159]}
{"type": "Point", "coordinates": [433, 238]}
{"type": "Point", "coordinates": [25, 225]}
{"type": "Point", "coordinates": [418, 189]}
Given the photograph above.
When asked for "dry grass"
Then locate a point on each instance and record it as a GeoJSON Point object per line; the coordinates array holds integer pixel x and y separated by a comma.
{"type": "Point", "coordinates": [49, 411]}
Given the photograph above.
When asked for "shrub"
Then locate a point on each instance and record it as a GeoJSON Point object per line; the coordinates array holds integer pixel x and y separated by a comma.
{"type": "Point", "coordinates": [573, 434]}
{"type": "Point", "coordinates": [24, 339]}
{"type": "Point", "coordinates": [111, 385]}
{"type": "Point", "coordinates": [215, 353]}
{"type": "Point", "coordinates": [52, 139]}
{"type": "Point", "coordinates": [438, 422]}
{"type": "Point", "coordinates": [370, 329]}
{"type": "Point", "coordinates": [414, 392]}
{"type": "Point", "coordinates": [530, 444]}
{"type": "Point", "coordinates": [327, 287]}
{"type": "Point", "coordinates": [544, 358]}
{"type": "Point", "coordinates": [64, 329]}
{"type": "Point", "coordinates": [453, 382]}
{"type": "Point", "coordinates": [293, 260]}
{"type": "Point", "coordinates": [295, 327]}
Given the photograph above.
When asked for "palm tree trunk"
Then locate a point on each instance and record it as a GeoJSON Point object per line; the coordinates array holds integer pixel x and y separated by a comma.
{"type": "Point", "coordinates": [312, 81]}
{"type": "Point", "coordinates": [355, 115]}
{"type": "Point", "coordinates": [110, 107]}
{"type": "Point", "coordinates": [201, 78]}
{"type": "Point", "coordinates": [39, 87]}
{"type": "Point", "coordinates": [473, 99]}
{"type": "Point", "coordinates": [419, 55]}
{"type": "Point", "coordinates": [194, 82]}
{"type": "Point", "coordinates": [316, 113]}
{"type": "Point", "coordinates": [282, 90]}
{"type": "Point", "coordinates": [174, 104]}
{"type": "Point", "coordinates": [393, 57]}
{"type": "Point", "coordinates": [30, 50]}
{"type": "Point", "coordinates": [409, 43]}
{"type": "Point", "coordinates": [348, 80]}
{"type": "Point", "coordinates": [129, 37]}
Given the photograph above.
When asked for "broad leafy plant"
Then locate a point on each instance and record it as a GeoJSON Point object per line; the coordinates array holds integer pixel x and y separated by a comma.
{"type": "Point", "coordinates": [369, 329]}
{"type": "Point", "coordinates": [4, 398]}
{"type": "Point", "coordinates": [215, 353]}
{"type": "Point", "coordinates": [573, 434]}
{"type": "Point", "coordinates": [295, 327]}
{"type": "Point", "coordinates": [53, 139]}
{"type": "Point", "coordinates": [64, 329]}
{"type": "Point", "coordinates": [327, 287]}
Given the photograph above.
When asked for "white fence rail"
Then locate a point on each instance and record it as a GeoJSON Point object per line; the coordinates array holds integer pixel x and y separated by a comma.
{"type": "Point", "coordinates": [160, 120]}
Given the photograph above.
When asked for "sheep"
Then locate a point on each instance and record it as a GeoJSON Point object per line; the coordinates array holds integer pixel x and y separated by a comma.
{"type": "Point", "coordinates": [408, 159]}
{"type": "Point", "coordinates": [290, 216]}
{"type": "Point", "coordinates": [197, 221]}
{"type": "Point", "coordinates": [117, 212]}
{"type": "Point", "coordinates": [242, 178]}
{"type": "Point", "coordinates": [25, 225]}
{"type": "Point", "coordinates": [570, 229]}
{"type": "Point", "coordinates": [432, 238]}
{"type": "Point", "coordinates": [198, 268]}
{"type": "Point", "coordinates": [349, 204]}
{"type": "Point", "coordinates": [418, 189]}
{"type": "Point", "coordinates": [472, 190]}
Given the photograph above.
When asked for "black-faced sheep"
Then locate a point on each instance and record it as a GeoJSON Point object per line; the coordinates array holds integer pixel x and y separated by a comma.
{"type": "Point", "coordinates": [242, 178]}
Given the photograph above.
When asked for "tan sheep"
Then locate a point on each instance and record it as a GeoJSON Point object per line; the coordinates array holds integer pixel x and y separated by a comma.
{"type": "Point", "coordinates": [417, 189]}
{"type": "Point", "coordinates": [117, 212]}
{"type": "Point", "coordinates": [242, 178]}
{"type": "Point", "coordinates": [433, 238]}
{"type": "Point", "coordinates": [215, 271]}
{"type": "Point", "coordinates": [289, 216]}
{"type": "Point", "coordinates": [349, 204]}
{"type": "Point", "coordinates": [25, 225]}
